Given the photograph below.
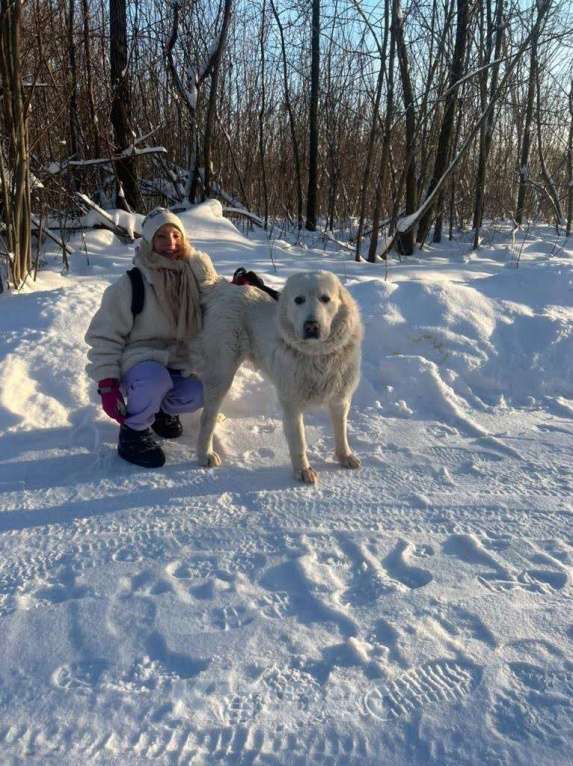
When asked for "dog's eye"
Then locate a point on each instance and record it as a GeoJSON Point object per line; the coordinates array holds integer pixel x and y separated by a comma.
{"type": "Point", "coordinates": [299, 300]}
{"type": "Point", "coordinates": [325, 298]}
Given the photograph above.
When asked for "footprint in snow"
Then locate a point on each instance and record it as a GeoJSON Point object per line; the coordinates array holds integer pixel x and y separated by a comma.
{"type": "Point", "coordinates": [275, 606]}
{"type": "Point", "coordinates": [440, 682]}
{"type": "Point", "coordinates": [397, 564]}
{"type": "Point", "coordinates": [79, 677]}
{"type": "Point", "coordinates": [242, 709]}
{"type": "Point", "coordinates": [536, 704]}
{"type": "Point", "coordinates": [540, 575]}
{"type": "Point", "coordinates": [193, 568]}
{"type": "Point", "coordinates": [231, 617]}
{"type": "Point", "coordinates": [57, 588]}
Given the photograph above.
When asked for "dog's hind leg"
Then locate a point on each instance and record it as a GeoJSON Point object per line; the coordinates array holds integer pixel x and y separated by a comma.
{"type": "Point", "coordinates": [215, 392]}
{"type": "Point", "coordinates": [293, 425]}
{"type": "Point", "coordinates": [339, 415]}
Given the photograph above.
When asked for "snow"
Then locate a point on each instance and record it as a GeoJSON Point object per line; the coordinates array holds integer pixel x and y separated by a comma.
{"type": "Point", "coordinates": [417, 611]}
{"type": "Point", "coordinates": [407, 221]}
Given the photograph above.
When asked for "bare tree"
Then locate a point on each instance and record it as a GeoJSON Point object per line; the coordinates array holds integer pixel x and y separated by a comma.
{"type": "Point", "coordinates": [262, 113]}
{"type": "Point", "coordinates": [494, 30]}
{"type": "Point", "coordinates": [405, 239]}
{"type": "Point", "coordinates": [214, 70]}
{"type": "Point", "coordinates": [408, 223]}
{"type": "Point", "coordinates": [549, 188]}
{"type": "Point", "coordinates": [312, 195]}
{"type": "Point", "coordinates": [570, 166]}
{"type": "Point", "coordinates": [291, 119]}
{"type": "Point", "coordinates": [240, 106]}
{"type": "Point", "coordinates": [14, 152]}
{"type": "Point", "coordinates": [374, 128]}
{"type": "Point", "coordinates": [448, 119]}
{"type": "Point", "coordinates": [196, 76]}
{"type": "Point", "coordinates": [128, 196]}
{"type": "Point", "coordinates": [385, 156]}
{"type": "Point", "coordinates": [73, 85]}
{"type": "Point", "coordinates": [93, 121]}
{"type": "Point", "coordinates": [524, 170]}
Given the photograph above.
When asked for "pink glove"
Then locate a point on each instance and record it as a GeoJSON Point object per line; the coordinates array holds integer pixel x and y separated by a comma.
{"type": "Point", "coordinates": [112, 399]}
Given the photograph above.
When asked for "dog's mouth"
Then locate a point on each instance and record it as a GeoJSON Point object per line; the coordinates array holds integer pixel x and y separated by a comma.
{"type": "Point", "coordinates": [311, 330]}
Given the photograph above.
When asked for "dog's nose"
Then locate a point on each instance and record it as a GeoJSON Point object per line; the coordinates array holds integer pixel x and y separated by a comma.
{"type": "Point", "coordinates": [311, 329]}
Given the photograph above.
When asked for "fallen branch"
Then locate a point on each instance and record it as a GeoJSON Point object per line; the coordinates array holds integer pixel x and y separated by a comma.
{"type": "Point", "coordinates": [236, 211]}
{"type": "Point", "coordinates": [44, 230]}
{"type": "Point", "coordinates": [106, 219]}
{"type": "Point", "coordinates": [55, 168]}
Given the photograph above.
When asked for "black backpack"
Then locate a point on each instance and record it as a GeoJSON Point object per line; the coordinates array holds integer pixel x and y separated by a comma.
{"type": "Point", "coordinates": [137, 291]}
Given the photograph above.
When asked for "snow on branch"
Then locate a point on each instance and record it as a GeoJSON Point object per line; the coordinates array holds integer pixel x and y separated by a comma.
{"type": "Point", "coordinates": [230, 212]}
{"type": "Point", "coordinates": [189, 96]}
{"type": "Point", "coordinates": [54, 168]}
{"type": "Point", "coordinates": [196, 76]}
{"type": "Point", "coordinates": [105, 218]}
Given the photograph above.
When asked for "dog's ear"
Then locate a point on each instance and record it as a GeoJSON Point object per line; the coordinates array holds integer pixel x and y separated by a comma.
{"type": "Point", "coordinates": [285, 323]}
{"type": "Point", "coordinates": [283, 301]}
{"type": "Point", "coordinates": [347, 319]}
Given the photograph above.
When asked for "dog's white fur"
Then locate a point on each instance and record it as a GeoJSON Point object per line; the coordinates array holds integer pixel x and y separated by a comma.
{"type": "Point", "coordinates": [244, 323]}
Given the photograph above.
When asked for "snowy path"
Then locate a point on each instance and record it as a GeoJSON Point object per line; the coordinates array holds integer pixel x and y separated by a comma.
{"type": "Point", "coordinates": [417, 612]}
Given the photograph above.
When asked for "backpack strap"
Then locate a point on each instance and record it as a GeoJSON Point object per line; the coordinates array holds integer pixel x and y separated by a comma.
{"type": "Point", "coordinates": [137, 290]}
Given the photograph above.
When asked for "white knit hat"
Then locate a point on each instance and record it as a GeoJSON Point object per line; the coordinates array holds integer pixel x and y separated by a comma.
{"type": "Point", "coordinates": [158, 218]}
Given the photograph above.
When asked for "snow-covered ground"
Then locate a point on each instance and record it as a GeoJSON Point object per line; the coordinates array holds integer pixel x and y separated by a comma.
{"type": "Point", "coordinates": [418, 611]}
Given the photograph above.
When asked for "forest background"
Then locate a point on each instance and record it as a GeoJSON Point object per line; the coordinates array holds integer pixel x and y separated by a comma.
{"type": "Point", "coordinates": [381, 123]}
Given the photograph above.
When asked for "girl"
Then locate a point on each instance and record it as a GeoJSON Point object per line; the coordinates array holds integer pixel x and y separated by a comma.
{"type": "Point", "coordinates": [140, 362]}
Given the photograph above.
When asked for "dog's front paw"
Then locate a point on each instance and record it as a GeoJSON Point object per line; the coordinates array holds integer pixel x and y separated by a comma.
{"type": "Point", "coordinates": [349, 461]}
{"type": "Point", "coordinates": [307, 475]}
{"type": "Point", "coordinates": [210, 460]}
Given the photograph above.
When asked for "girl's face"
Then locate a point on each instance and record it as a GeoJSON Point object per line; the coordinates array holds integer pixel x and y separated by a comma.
{"type": "Point", "coordinates": [168, 241]}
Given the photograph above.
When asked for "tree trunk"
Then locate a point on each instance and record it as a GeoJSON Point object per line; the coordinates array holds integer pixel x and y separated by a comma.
{"type": "Point", "coordinates": [426, 110]}
{"type": "Point", "coordinates": [96, 147]}
{"type": "Point", "coordinates": [373, 135]}
{"type": "Point", "coordinates": [384, 153]}
{"type": "Point", "coordinates": [405, 240]}
{"type": "Point", "coordinates": [73, 89]}
{"type": "Point", "coordinates": [128, 194]}
{"type": "Point", "coordinates": [312, 196]}
{"type": "Point", "coordinates": [215, 64]}
{"type": "Point", "coordinates": [551, 191]}
{"type": "Point", "coordinates": [448, 120]}
{"type": "Point", "coordinates": [189, 98]}
{"type": "Point", "coordinates": [569, 228]}
{"type": "Point", "coordinates": [486, 132]}
{"type": "Point", "coordinates": [15, 167]}
{"type": "Point", "coordinates": [454, 176]}
{"type": "Point", "coordinates": [262, 111]}
{"type": "Point", "coordinates": [292, 123]}
{"type": "Point", "coordinates": [526, 138]}
{"type": "Point", "coordinates": [409, 223]}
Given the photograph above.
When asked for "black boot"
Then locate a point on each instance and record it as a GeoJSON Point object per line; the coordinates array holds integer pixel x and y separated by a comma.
{"type": "Point", "coordinates": [140, 448]}
{"type": "Point", "coordinates": [167, 426]}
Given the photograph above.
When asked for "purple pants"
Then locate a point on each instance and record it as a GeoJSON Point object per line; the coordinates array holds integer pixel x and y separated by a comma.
{"type": "Point", "coordinates": [149, 387]}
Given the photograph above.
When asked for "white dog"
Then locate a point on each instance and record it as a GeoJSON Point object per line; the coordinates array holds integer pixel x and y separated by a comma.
{"type": "Point", "coordinates": [308, 345]}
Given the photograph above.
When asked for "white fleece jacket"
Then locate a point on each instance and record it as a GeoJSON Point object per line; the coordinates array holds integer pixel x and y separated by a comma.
{"type": "Point", "coordinates": [118, 341]}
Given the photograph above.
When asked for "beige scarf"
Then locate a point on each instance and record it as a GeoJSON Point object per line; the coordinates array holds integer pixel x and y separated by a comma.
{"type": "Point", "coordinates": [176, 287]}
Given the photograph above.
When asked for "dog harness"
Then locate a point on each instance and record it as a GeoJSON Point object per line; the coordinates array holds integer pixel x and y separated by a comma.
{"type": "Point", "coordinates": [244, 277]}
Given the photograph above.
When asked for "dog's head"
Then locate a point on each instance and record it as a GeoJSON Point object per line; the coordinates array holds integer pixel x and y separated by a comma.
{"type": "Point", "coordinates": [316, 313]}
